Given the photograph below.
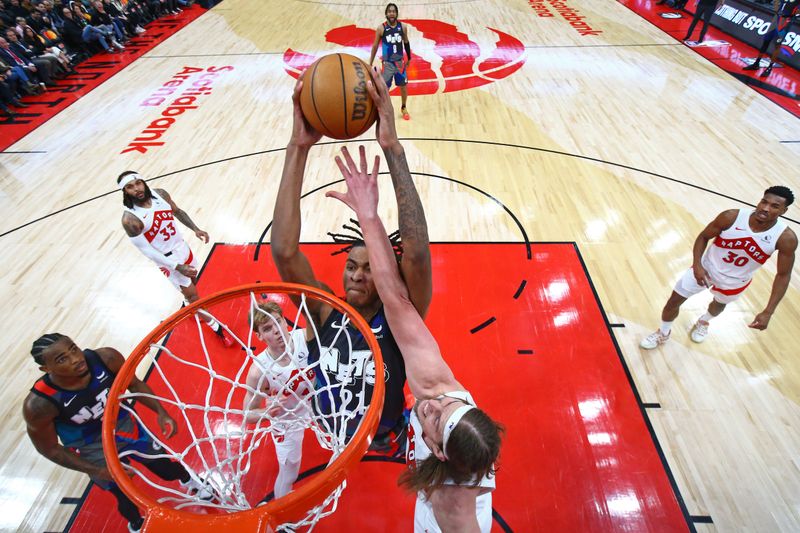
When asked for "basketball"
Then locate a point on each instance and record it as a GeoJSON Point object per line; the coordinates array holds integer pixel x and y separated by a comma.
{"type": "Point", "coordinates": [334, 97]}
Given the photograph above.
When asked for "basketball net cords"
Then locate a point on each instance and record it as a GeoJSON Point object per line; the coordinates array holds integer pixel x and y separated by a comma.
{"type": "Point", "coordinates": [223, 474]}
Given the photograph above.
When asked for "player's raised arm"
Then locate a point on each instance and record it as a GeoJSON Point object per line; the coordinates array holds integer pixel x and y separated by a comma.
{"type": "Point", "coordinates": [416, 262]}
{"type": "Point", "coordinates": [292, 264]}
{"type": "Point", "coordinates": [428, 374]}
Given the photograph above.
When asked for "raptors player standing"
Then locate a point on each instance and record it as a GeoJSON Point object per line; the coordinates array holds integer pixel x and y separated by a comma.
{"type": "Point", "coordinates": [743, 240]}
{"type": "Point", "coordinates": [149, 221]}
{"type": "Point", "coordinates": [279, 386]}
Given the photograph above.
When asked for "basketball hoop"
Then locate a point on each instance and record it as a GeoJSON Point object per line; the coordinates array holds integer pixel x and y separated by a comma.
{"type": "Point", "coordinates": [205, 383]}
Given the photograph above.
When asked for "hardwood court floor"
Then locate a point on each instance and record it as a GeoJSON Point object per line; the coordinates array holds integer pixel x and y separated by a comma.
{"type": "Point", "coordinates": [624, 142]}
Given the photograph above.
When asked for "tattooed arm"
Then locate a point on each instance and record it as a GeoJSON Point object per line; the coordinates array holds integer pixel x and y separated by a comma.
{"type": "Point", "coordinates": [39, 418]}
{"type": "Point", "coordinates": [416, 263]}
{"type": "Point", "coordinates": [182, 215]}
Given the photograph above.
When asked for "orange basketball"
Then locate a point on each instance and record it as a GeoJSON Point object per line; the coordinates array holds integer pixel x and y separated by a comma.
{"type": "Point", "coordinates": [334, 98]}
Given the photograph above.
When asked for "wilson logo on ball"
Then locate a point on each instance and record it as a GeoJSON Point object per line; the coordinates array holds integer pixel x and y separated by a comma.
{"type": "Point", "coordinates": [334, 97]}
{"type": "Point", "coordinates": [461, 63]}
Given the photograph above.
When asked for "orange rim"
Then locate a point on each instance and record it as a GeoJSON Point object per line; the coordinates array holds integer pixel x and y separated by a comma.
{"type": "Point", "coordinates": [289, 508]}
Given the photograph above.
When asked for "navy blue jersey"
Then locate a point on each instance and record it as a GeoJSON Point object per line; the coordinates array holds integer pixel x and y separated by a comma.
{"type": "Point", "coordinates": [392, 42]}
{"type": "Point", "coordinates": [80, 412]}
{"type": "Point", "coordinates": [350, 372]}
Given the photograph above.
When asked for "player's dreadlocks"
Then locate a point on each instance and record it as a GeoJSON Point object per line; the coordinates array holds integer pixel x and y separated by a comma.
{"type": "Point", "coordinates": [354, 238]}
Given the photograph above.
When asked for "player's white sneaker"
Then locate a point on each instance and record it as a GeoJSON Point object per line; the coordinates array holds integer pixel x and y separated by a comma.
{"type": "Point", "coordinates": [198, 488]}
{"type": "Point", "coordinates": [653, 340]}
{"type": "Point", "coordinates": [699, 331]}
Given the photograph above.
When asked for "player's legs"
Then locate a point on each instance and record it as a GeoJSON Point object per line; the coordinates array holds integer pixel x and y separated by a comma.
{"type": "Point", "coordinates": [707, 11]}
{"type": "Point", "coordinates": [401, 80]}
{"type": "Point", "coordinates": [289, 451]}
{"type": "Point", "coordinates": [721, 299]}
{"type": "Point", "coordinates": [763, 50]}
{"type": "Point", "coordinates": [188, 288]}
{"type": "Point", "coordinates": [774, 56]}
{"type": "Point", "coordinates": [127, 508]}
{"type": "Point", "coordinates": [93, 453]}
{"type": "Point", "coordinates": [685, 287]}
{"type": "Point", "coordinates": [695, 20]}
{"type": "Point", "coordinates": [387, 73]}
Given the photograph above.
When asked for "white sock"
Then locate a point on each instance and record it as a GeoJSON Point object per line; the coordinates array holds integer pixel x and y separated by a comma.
{"type": "Point", "coordinates": [665, 328]}
{"type": "Point", "coordinates": [706, 317]}
{"type": "Point", "coordinates": [213, 324]}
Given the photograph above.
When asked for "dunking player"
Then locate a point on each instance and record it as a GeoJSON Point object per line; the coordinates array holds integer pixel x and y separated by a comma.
{"type": "Point", "coordinates": [359, 288]}
{"type": "Point", "coordinates": [778, 29]}
{"type": "Point", "coordinates": [391, 33]}
{"type": "Point", "coordinates": [743, 240]}
{"type": "Point", "coordinates": [68, 403]}
{"type": "Point", "coordinates": [280, 377]}
{"type": "Point", "coordinates": [452, 445]}
{"type": "Point", "coordinates": [149, 221]}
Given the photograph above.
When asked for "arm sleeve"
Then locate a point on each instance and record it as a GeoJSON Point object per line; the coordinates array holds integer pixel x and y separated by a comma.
{"type": "Point", "coordinates": [407, 46]}
{"type": "Point", "coordinates": [158, 258]}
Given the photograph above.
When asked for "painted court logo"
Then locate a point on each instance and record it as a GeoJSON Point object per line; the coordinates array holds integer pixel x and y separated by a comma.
{"type": "Point", "coordinates": [461, 64]}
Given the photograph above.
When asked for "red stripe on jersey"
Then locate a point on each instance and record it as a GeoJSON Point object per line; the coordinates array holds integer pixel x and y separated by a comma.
{"type": "Point", "coordinates": [132, 435]}
{"type": "Point", "coordinates": [44, 388]}
{"type": "Point", "coordinates": [730, 292]}
{"type": "Point", "coordinates": [746, 244]}
{"type": "Point", "coordinates": [189, 259]}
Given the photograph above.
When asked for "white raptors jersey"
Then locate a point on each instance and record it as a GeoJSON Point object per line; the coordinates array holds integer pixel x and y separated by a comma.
{"type": "Point", "coordinates": [416, 452]}
{"type": "Point", "coordinates": [289, 383]}
{"type": "Point", "coordinates": [738, 252]}
{"type": "Point", "coordinates": [160, 229]}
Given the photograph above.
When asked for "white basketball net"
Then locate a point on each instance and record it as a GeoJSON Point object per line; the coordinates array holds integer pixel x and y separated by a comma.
{"type": "Point", "coordinates": [222, 445]}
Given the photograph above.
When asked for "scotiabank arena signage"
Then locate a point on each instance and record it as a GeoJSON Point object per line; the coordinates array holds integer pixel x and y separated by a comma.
{"type": "Point", "coordinates": [750, 24]}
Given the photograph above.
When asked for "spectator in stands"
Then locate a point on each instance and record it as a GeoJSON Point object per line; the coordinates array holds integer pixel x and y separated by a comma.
{"type": "Point", "coordinates": [16, 10]}
{"type": "Point", "coordinates": [101, 19]}
{"type": "Point", "coordinates": [129, 21]}
{"type": "Point", "coordinates": [46, 67]}
{"type": "Point", "coordinates": [8, 91]}
{"type": "Point", "coordinates": [54, 14]}
{"type": "Point", "coordinates": [39, 46]}
{"type": "Point", "coordinates": [72, 34]}
{"type": "Point", "coordinates": [19, 81]}
{"type": "Point", "coordinates": [89, 33]}
{"type": "Point", "coordinates": [10, 57]}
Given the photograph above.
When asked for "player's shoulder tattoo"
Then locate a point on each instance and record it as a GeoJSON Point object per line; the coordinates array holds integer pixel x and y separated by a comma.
{"type": "Point", "coordinates": [132, 225]}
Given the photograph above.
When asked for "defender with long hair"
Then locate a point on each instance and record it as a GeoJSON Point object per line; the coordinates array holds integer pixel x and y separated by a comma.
{"type": "Point", "coordinates": [452, 445]}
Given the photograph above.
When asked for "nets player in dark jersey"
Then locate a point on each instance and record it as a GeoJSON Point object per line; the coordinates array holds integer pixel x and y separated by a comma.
{"type": "Point", "coordinates": [415, 264]}
{"type": "Point", "coordinates": [67, 404]}
{"type": "Point", "coordinates": [784, 11]}
{"type": "Point", "coordinates": [391, 34]}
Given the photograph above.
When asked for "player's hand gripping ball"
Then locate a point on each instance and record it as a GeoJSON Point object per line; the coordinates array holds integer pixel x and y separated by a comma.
{"type": "Point", "coordinates": [334, 98]}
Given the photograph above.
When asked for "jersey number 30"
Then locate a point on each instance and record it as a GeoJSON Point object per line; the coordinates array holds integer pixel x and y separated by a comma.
{"type": "Point", "coordinates": [737, 260]}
